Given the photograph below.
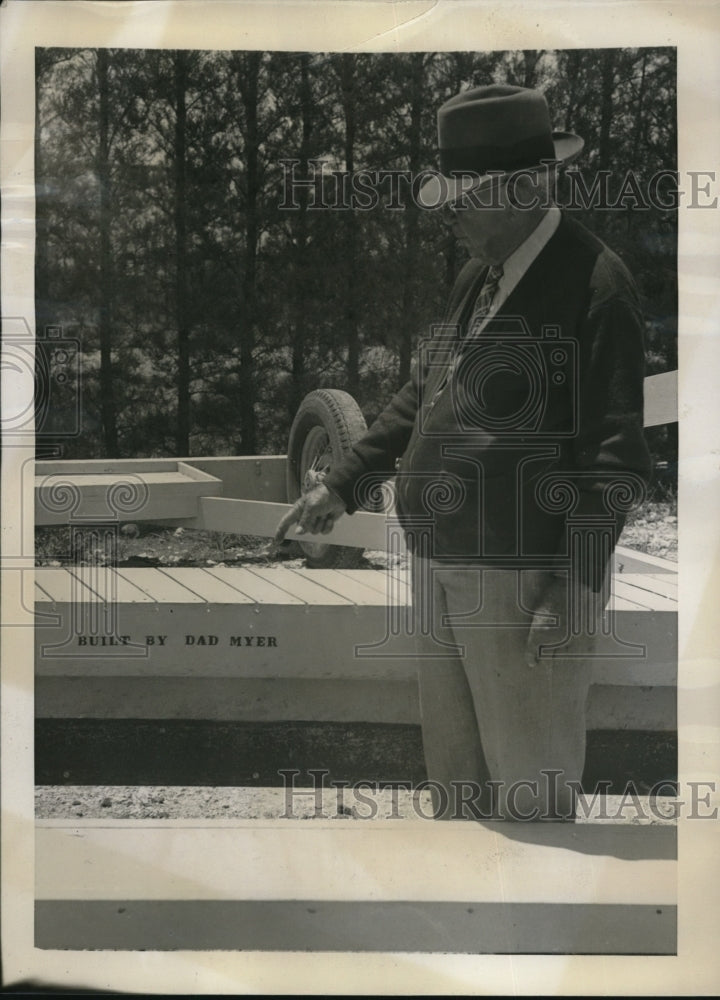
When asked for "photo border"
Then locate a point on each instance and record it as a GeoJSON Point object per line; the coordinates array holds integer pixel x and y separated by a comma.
{"type": "Point", "coordinates": [356, 25]}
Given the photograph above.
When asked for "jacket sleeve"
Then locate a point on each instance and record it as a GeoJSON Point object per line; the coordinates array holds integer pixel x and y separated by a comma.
{"type": "Point", "coordinates": [610, 458]}
{"type": "Point", "coordinates": [376, 452]}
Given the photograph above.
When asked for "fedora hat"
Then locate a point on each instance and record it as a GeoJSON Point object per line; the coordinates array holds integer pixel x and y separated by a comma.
{"type": "Point", "coordinates": [498, 129]}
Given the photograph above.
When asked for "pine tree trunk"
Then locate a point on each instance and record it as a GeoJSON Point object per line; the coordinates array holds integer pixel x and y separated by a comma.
{"type": "Point", "coordinates": [300, 331]}
{"type": "Point", "coordinates": [531, 57]}
{"type": "Point", "coordinates": [573, 72]}
{"type": "Point", "coordinates": [249, 75]}
{"type": "Point", "coordinates": [105, 268]}
{"type": "Point", "coordinates": [182, 319]}
{"type": "Point", "coordinates": [639, 129]}
{"type": "Point", "coordinates": [408, 321]}
{"type": "Point", "coordinates": [352, 333]}
{"type": "Point", "coordinates": [607, 85]}
{"type": "Point", "coordinates": [42, 290]}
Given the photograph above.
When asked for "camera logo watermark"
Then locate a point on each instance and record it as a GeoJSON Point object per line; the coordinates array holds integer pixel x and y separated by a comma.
{"type": "Point", "coordinates": [92, 513]}
{"type": "Point", "coordinates": [42, 384]}
{"type": "Point", "coordinates": [499, 410]}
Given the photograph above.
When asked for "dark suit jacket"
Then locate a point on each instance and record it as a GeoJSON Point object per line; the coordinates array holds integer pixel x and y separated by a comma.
{"type": "Point", "coordinates": [541, 420]}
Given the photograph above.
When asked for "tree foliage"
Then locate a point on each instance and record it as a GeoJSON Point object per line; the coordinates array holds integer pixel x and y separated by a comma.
{"type": "Point", "coordinates": [206, 310]}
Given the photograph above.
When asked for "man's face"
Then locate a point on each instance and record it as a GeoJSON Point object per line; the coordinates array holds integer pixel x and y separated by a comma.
{"type": "Point", "coordinates": [488, 223]}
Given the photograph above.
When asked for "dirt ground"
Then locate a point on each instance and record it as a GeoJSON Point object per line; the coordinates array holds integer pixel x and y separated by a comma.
{"type": "Point", "coordinates": [115, 802]}
{"type": "Point", "coordinates": [651, 529]}
{"type": "Point", "coordinates": [184, 769]}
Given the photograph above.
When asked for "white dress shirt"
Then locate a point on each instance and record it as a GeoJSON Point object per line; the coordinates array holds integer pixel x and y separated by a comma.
{"type": "Point", "coordinates": [520, 260]}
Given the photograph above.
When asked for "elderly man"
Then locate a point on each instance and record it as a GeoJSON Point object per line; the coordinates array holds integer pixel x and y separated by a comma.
{"type": "Point", "coordinates": [526, 410]}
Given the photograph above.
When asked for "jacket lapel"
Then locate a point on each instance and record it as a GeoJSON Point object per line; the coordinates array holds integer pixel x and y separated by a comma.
{"type": "Point", "coordinates": [461, 310]}
{"type": "Point", "coordinates": [528, 298]}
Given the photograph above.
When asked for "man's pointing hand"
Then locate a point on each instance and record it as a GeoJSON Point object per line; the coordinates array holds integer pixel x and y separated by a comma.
{"type": "Point", "coordinates": [314, 513]}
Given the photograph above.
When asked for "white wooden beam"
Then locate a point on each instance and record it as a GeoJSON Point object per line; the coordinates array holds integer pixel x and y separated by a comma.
{"type": "Point", "coordinates": [140, 859]}
{"type": "Point", "coordinates": [88, 495]}
{"type": "Point", "coordinates": [661, 399]}
{"type": "Point", "coordinates": [253, 517]}
{"type": "Point", "coordinates": [627, 560]}
{"type": "Point", "coordinates": [288, 644]}
{"type": "Point", "coordinates": [381, 700]}
{"type": "Point", "coordinates": [532, 888]}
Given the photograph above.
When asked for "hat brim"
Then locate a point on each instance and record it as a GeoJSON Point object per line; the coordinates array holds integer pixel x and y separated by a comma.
{"type": "Point", "coordinates": [439, 190]}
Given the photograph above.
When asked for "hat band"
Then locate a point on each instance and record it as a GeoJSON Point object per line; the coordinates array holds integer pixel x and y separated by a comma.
{"type": "Point", "coordinates": [527, 152]}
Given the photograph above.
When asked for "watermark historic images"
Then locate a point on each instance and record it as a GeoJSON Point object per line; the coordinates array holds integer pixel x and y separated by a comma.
{"type": "Point", "coordinates": [367, 190]}
{"type": "Point", "coordinates": [359, 799]}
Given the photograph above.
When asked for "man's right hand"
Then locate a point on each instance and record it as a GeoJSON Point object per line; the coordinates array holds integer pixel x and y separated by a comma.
{"type": "Point", "coordinates": [314, 513]}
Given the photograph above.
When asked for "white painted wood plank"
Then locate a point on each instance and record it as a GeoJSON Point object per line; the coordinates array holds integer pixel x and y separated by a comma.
{"type": "Point", "coordinates": [375, 579]}
{"type": "Point", "coordinates": [109, 585]}
{"type": "Point", "coordinates": [399, 582]}
{"type": "Point", "coordinates": [62, 587]}
{"type": "Point", "coordinates": [98, 579]}
{"type": "Point", "coordinates": [94, 480]}
{"type": "Point", "coordinates": [614, 701]}
{"type": "Point", "coordinates": [159, 586]}
{"type": "Point", "coordinates": [41, 596]}
{"type": "Point", "coordinates": [355, 591]}
{"type": "Point", "coordinates": [661, 399]}
{"type": "Point", "coordinates": [261, 518]}
{"type": "Point", "coordinates": [255, 477]}
{"type": "Point", "coordinates": [646, 598]}
{"type": "Point", "coordinates": [247, 477]}
{"type": "Point", "coordinates": [301, 587]}
{"type": "Point", "coordinates": [363, 926]}
{"type": "Point", "coordinates": [116, 467]}
{"type": "Point", "coordinates": [665, 579]}
{"type": "Point", "coordinates": [206, 586]}
{"type": "Point", "coordinates": [190, 859]}
{"type": "Point", "coordinates": [197, 475]}
{"type": "Point", "coordinates": [656, 583]}
{"type": "Point", "coordinates": [257, 587]}
{"type": "Point", "coordinates": [634, 561]}
{"type": "Point", "coordinates": [159, 494]}
{"type": "Point", "coordinates": [393, 590]}
{"type": "Point", "coordinates": [228, 699]}
{"type": "Point", "coordinates": [390, 582]}
{"type": "Point", "coordinates": [624, 675]}
{"type": "Point", "coordinates": [637, 599]}
{"type": "Point", "coordinates": [617, 603]}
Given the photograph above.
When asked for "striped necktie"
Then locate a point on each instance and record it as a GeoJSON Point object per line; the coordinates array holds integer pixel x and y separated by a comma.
{"type": "Point", "coordinates": [482, 308]}
{"type": "Point", "coordinates": [485, 298]}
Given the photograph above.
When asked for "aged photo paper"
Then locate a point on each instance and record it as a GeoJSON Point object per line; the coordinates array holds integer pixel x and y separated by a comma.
{"type": "Point", "coordinates": [214, 777]}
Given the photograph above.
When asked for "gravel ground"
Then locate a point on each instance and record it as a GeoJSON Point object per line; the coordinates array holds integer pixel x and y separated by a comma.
{"type": "Point", "coordinates": [651, 529]}
{"type": "Point", "coordinates": [117, 802]}
{"type": "Point", "coordinates": [210, 802]}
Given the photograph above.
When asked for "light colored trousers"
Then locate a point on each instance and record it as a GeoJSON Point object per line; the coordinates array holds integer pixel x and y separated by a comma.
{"type": "Point", "coordinates": [487, 714]}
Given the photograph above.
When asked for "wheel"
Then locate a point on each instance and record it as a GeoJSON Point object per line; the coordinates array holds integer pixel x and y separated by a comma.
{"type": "Point", "coordinates": [326, 426]}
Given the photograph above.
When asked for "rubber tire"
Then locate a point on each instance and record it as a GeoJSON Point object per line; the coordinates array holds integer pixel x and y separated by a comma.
{"type": "Point", "coordinates": [335, 413]}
